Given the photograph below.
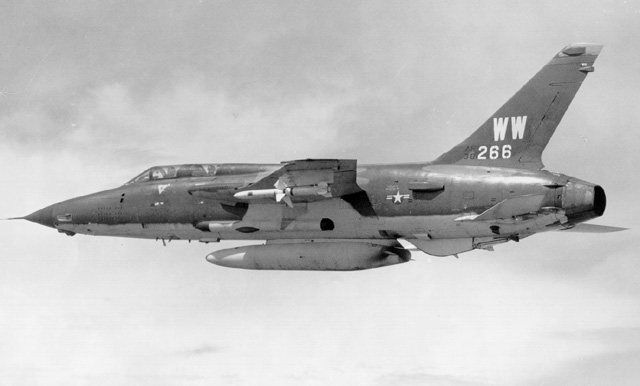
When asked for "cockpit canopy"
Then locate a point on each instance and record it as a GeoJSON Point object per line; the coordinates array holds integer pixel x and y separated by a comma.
{"type": "Point", "coordinates": [158, 173]}
{"type": "Point", "coordinates": [174, 171]}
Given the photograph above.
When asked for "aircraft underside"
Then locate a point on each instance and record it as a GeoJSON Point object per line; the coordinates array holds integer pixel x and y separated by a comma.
{"type": "Point", "coordinates": [436, 235]}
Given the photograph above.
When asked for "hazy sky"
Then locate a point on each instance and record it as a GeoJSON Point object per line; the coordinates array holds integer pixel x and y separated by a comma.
{"type": "Point", "coordinates": [94, 92]}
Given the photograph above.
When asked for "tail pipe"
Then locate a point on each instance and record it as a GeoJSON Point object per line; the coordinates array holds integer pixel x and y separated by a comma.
{"type": "Point", "coordinates": [583, 200]}
{"type": "Point", "coordinates": [599, 201]}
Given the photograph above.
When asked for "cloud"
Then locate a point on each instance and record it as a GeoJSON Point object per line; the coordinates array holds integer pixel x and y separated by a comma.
{"type": "Point", "coordinates": [303, 73]}
{"type": "Point", "coordinates": [418, 378]}
{"type": "Point", "coordinates": [613, 340]}
{"type": "Point", "coordinates": [619, 369]}
{"type": "Point", "coordinates": [205, 349]}
{"type": "Point", "coordinates": [187, 123]}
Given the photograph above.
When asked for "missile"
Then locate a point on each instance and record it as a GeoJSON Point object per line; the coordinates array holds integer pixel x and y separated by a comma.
{"type": "Point", "coordinates": [258, 194]}
{"type": "Point", "coordinates": [284, 193]}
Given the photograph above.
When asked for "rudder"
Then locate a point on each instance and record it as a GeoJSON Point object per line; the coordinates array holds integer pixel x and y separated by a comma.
{"type": "Point", "coordinates": [515, 136]}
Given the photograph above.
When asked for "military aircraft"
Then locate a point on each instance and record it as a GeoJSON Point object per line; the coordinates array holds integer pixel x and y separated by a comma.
{"type": "Point", "coordinates": [331, 214]}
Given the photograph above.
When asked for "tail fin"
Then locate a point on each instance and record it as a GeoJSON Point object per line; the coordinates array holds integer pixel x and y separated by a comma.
{"type": "Point", "coordinates": [532, 115]}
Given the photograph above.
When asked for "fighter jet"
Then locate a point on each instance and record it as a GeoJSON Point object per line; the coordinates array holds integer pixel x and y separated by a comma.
{"type": "Point", "coordinates": [335, 215]}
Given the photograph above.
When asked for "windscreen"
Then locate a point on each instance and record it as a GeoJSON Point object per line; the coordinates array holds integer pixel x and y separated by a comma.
{"type": "Point", "coordinates": [178, 171]}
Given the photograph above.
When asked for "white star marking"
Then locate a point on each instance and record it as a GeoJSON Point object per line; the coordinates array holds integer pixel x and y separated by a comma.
{"type": "Point", "coordinates": [397, 198]}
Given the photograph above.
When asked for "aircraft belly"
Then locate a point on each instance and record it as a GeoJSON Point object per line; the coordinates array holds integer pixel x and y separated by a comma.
{"type": "Point", "coordinates": [449, 227]}
{"type": "Point", "coordinates": [521, 225]}
{"type": "Point", "coordinates": [175, 231]}
{"type": "Point", "coordinates": [187, 231]}
{"type": "Point", "coordinates": [434, 226]}
{"type": "Point", "coordinates": [344, 227]}
{"type": "Point", "coordinates": [364, 228]}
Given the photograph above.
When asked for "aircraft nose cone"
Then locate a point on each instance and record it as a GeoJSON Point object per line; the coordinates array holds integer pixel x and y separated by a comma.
{"type": "Point", "coordinates": [43, 216]}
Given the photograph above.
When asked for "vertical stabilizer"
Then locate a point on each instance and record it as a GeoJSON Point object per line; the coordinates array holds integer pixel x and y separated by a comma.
{"type": "Point", "coordinates": [515, 136]}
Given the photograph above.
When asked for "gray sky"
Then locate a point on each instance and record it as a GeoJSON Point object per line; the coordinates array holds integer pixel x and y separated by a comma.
{"type": "Point", "coordinates": [93, 92]}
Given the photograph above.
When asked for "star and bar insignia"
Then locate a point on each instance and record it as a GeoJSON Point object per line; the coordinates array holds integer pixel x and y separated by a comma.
{"type": "Point", "coordinates": [397, 198]}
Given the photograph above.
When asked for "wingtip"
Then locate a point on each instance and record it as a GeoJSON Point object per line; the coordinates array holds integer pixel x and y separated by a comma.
{"type": "Point", "coordinates": [576, 49]}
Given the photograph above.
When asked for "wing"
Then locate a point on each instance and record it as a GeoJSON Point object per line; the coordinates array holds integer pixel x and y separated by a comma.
{"type": "Point", "coordinates": [339, 175]}
{"type": "Point", "coordinates": [311, 180]}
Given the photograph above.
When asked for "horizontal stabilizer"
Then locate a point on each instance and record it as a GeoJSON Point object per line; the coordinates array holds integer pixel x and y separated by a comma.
{"type": "Point", "coordinates": [594, 228]}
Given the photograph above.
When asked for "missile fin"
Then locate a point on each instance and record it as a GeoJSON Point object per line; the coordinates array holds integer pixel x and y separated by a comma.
{"type": "Point", "coordinates": [287, 200]}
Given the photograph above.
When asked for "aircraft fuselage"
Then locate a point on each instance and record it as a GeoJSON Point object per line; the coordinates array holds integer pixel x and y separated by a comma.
{"type": "Point", "coordinates": [405, 201]}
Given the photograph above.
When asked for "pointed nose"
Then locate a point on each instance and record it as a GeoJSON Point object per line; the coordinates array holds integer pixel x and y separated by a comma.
{"type": "Point", "coordinates": [43, 216]}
